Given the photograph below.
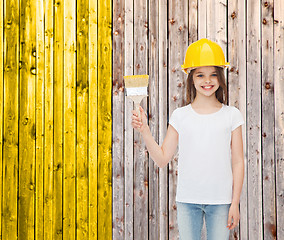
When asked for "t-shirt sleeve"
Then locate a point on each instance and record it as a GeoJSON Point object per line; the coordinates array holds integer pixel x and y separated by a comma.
{"type": "Point", "coordinates": [237, 118]}
{"type": "Point", "coordinates": [174, 120]}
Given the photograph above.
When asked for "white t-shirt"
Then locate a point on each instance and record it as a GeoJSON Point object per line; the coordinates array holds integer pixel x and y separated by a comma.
{"type": "Point", "coordinates": [204, 164]}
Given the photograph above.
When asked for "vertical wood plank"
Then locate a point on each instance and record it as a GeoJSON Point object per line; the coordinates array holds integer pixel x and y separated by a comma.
{"type": "Point", "coordinates": [217, 22]}
{"type": "Point", "coordinates": [192, 30]}
{"type": "Point", "coordinates": [118, 219]}
{"type": "Point", "coordinates": [140, 155]}
{"type": "Point", "coordinates": [69, 172]}
{"type": "Point", "coordinates": [242, 73]}
{"type": "Point", "coordinates": [162, 111]}
{"type": "Point", "coordinates": [153, 116]}
{"type": "Point", "coordinates": [10, 125]}
{"type": "Point", "coordinates": [178, 43]}
{"type": "Point", "coordinates": [192, 21]}
{"type": "Point", "coordinates": [267, 132]}
{"type": "Point", "coordinates": [104, 119]}
{"type": "Point", "coordinates": [48, 122]}
{"type": "Point", "coordinates": [39, 120]}
{"type": "Point", "coordinates": [27, 120]}
{"type": "Point", "coordinates": [237, 80]}
{"type": "Point", "coordinates": [254, 121]}
{"type": "Point", "coordinates": [93, 119]}
{"type": "Point", "coordinates": [1, 105]}
{"type": "Point", "coordinates": [128, 133]}
{"type": "Point", "coordinates": [202, 14]}
{"type": "Point", "coordinates": [211, 20]}
{"type": "Point", "coordinates": [82, 90]}
{"type": "Point", "coordinates": [58, 119]}
{"type": "Point", "coordinates": [221, 24]}
{"type": "Point", "coordinates": [279, 112]}
{"type": "Point", "coordinates": [237, 90]}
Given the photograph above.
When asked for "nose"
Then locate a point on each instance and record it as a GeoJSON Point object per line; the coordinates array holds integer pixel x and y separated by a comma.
{"type": "Point", "coordinates": [207, 80]}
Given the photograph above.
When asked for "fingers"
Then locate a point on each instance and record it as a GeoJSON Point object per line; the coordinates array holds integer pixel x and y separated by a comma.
{"type": "Point", "coordinates": [229, 221]}
{"type": "Point", "coordinates": [136, 125]}
{"type": "Point", "coordinates": [235, 222]}
{"type": "Point", "coordinates": [139, 121]}
{"type": "Point", "coordinates": [232, 225]}
{"type": "Point", "coordinates": [136, 121]}
{"type": "Point", "coordinates": [142, 111]}
{"type": "Point", "coordinates": [134, 113]}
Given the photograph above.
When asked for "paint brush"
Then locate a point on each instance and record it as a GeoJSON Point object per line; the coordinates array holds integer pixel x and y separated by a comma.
{"type": "Point", "coordinates": [136, 88]}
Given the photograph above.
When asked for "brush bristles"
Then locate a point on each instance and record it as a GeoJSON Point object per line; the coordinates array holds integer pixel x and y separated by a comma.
{"type": "Point", "coordinates": [136, 81]}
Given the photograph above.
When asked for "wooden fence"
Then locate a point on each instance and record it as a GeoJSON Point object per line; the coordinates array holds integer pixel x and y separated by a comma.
{"type": "Point", "coordinates": [71, 165]}
{"type": "Point", "coordinates": [55, 96]}
{"type": "Point", "coordinates": [151, 37]}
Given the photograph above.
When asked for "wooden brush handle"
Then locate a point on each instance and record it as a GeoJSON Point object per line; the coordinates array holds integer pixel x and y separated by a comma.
{"type": "Point", "coordinates": [137, 105]}
{"type": "Point", "coordinates": [137, 100]}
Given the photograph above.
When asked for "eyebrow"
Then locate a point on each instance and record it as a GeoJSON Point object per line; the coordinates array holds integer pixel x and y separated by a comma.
{"type": "Point", "coordinates": [203, 72]}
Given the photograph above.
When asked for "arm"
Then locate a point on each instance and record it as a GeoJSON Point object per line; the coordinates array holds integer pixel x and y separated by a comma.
{"type": "Point", "coordinates": [160, 154]}
{"type": "Point", "coordinates": [237, 164]}
{"type": "Point", "coordinates": [238, 176]}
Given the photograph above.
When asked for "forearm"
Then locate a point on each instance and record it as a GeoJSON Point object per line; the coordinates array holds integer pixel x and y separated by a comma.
{"type": "Point", "coordinates": [155, 151]}
{"type": "Point", "coordinates": [238, 178]}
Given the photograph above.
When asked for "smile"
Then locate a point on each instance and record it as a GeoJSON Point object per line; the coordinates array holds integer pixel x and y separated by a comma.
{"type": "Point", "coordinates": [209, 87]}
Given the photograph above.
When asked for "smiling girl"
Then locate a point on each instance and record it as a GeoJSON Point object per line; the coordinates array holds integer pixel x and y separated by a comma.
{"type": "Point", "coordinates": [208, 134]}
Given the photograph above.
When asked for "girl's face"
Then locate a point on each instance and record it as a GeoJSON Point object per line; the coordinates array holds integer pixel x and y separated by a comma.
{"type": "Point", "coordinates": [205, 81]}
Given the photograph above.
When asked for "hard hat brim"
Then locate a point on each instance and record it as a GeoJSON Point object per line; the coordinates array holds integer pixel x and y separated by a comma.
{"type": "Point", "coordinates": [188, 69]}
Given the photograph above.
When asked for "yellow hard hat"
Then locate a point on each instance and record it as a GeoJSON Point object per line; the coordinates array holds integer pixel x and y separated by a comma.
{"type": "Point", "coordinates": [202, 53]}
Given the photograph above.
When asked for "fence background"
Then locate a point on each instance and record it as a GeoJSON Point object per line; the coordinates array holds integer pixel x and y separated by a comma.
{"type": "Point", "coordinates": [71, 165]}
{"type": "Point", "coordinates": [152, 37]}
{"type": "Point", "coordinates": [55, 96]}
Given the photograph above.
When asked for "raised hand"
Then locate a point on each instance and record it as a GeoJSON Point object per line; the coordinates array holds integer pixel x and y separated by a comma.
{"type": "Point", "coordinates": [139, 123]}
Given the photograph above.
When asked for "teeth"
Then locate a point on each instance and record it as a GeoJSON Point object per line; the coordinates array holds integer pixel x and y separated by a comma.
{"type": "Point", "coordinates": [208, 87]}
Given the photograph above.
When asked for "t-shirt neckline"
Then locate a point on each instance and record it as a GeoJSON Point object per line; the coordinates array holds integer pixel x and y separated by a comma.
{"type": "Point", "coordinates": [208, 114]}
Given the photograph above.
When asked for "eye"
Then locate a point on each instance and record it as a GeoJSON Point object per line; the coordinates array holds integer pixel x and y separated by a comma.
{"type": "Point", "coordinates": [214, 75]}
{"type": "Point", "coordinates": [200, 75]}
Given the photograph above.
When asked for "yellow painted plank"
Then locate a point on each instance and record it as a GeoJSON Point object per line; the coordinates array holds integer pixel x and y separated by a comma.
{"type": "Point", "coordinates": [93, 119]}
{"type": "Point", "coordinates": [48, 122]}
{"type": "Point", "coordinates": [10, 144]}
{"type": "Point", "coordinates": [58, 120]}
{"type": "Point", "coordinates": [69, 171]}
{"type": "Point", "coordinates": [104, 120]}
{"type": "Point", "coordinates": [82, 120]}
{"type": "Point", "coordinates": [39, 119]}
{"type": "Point", "coordinates": [1, 103]}
{"type": "Point", "coordinates": [27, 120]}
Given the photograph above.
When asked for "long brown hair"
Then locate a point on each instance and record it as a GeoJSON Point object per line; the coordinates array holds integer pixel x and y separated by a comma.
{"type": "Point", "coordinates": [221, 93]}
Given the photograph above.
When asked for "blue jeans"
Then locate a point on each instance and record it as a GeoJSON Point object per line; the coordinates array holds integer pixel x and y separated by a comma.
{"type": "Point", "coordinates": [190, 221]}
